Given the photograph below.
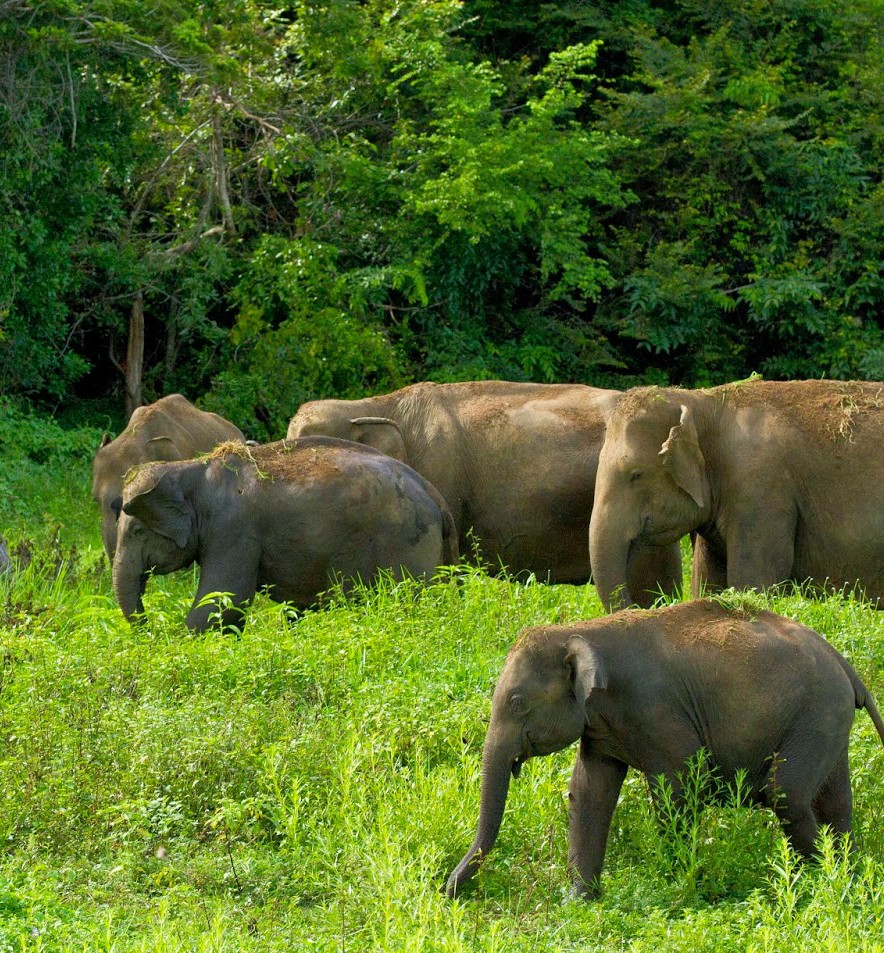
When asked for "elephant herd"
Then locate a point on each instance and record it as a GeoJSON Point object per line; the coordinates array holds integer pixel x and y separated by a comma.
{"type": "Point", "coordinates": [774, 482]}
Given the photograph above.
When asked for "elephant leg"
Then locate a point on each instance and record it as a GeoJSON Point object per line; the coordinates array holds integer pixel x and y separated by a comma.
{"type": "Point", "coordinates": [594, 790]}
{"type": "Point", "coordinates": [708, 571]}
{"type": "Point", "coordinates": [789, 793]}
{"type": "Point", "coordinates": [652, 570]}
{"type": "Point", "coordinates": [806, 788]}
{"type": "Point", "coordinates": [795, 813]}
{"type": "Point", "coordinates": [833, 804]}
{"type": "Point", "coordinates": [761, 546]}
{"type": "Point", "coordinates": [234, 573]}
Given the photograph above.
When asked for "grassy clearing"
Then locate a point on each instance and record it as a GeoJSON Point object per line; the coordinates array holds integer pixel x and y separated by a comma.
{"type": "Point", "coordinates": [310, 784]}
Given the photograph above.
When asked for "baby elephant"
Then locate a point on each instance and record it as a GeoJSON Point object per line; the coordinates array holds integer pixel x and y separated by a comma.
{"type": "Point", "coordinates": [648, 690]}
{"type": "Point", "coordinates": [294, 515]}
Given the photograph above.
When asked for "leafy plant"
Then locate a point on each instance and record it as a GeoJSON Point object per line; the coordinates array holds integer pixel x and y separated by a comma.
{"type": "Point", "coordinates": [312, 778]}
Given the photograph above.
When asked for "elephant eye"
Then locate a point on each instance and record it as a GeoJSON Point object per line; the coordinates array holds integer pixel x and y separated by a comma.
{"type": "Point", "coordinates": [517, 703]}
{"type": "Point", "coordinates": [635, 475]}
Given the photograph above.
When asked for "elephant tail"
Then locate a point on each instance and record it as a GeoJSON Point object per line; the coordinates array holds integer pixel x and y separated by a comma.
{"type": "Point", "coordinates": [874, 714]}
{"type": "Point", "coordinates": [864, 699]}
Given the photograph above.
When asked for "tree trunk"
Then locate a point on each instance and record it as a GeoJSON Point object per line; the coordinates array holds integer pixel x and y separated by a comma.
{"type": "Point", "coordinates": [135, 355]}
{"type": "Point", "coordinates": [221, 182]}
{"type": "Point", "coordinates": [171, 344]}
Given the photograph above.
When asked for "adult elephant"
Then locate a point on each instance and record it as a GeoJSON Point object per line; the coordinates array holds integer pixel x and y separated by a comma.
{"type": "Point", "coordinates": [778, 480]}
{"type": "Point", "coordinates": [516, 464]}
{"type": "Point", "coordinates": [170, 429]}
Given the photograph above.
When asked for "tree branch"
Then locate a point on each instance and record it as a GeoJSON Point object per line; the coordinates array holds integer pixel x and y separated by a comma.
{"type": "Point", "coordinates": [230, 103]}
{"type": "Point", "coordinates": [67, 59]}
{"type": "Point", "coordinates": [221, 175]}
{"type": "Point", "coordinates": [128, 44]}
{"type": "Point", "coordinates": [139, 206]}
{"type": "Point", "coordinates": [177, 250]}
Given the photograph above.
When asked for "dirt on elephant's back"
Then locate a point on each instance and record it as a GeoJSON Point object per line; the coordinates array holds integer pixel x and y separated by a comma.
{"type": "Point", "coordinates": [826, 409]}
{"type": "Point", "coordinates": [289, 460]}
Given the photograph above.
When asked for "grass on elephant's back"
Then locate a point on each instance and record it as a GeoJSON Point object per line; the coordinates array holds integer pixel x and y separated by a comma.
{"type": "Point", "coordinates": [311, 783]}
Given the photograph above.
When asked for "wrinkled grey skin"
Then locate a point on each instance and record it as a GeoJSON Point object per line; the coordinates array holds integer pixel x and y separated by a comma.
{"type": "Point", "coordinates": [648, 690]}
{"type": "Point", "coordinates": [516, 464]}
{"type": "Point", "coordinates": [169, 429]}
{"type": "Point", "coordinates": [777, 481]}
{"type": "Point", "coordinates": [294, 516]}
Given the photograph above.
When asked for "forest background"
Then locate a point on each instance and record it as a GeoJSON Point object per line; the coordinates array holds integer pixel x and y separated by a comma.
{"type": "Point", "coordinates": [283, 201]}
{"type": "Point", "coordinates": [294, 200]}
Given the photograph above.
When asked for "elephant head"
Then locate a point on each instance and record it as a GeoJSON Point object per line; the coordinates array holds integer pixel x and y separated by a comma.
{"type": "Point", "coordinates": [652, 487]}
{"type": "Point", "coordinates": [537, 709]}
{"type": "Point", "coordinates": [341, 419]}
{"type": "Point", "coordinates": [112, 461]}
{"type": "Point", "coordinates": [156, 533]}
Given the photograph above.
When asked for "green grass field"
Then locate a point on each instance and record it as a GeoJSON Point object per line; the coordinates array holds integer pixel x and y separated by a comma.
{"type": "Point", "coordinates": [310, 784]}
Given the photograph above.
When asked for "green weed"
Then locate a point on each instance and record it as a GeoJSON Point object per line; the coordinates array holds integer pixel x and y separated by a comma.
{"type": "Point", "coordinates": [308, 782]}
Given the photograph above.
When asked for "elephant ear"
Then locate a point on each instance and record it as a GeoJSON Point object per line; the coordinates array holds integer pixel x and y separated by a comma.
{"type": "Point", "coordinates": [587, 669]}
{"type": "Point", "coordinates": [382, 433]}
{"type": "Point", "coordinates": [162, 506]}
{"type": "Point", "coordinates": [163, 449]}
{"type": "Point", "coordinates": [683, 459]}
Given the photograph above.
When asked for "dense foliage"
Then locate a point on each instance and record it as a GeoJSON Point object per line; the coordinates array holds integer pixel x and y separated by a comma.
{"type": "Point", "coordinates": [309, 784]}
{"type": "Point", "coordinates": [335, 197]}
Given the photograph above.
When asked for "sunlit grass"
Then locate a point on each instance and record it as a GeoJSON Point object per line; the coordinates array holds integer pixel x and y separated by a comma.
{"type": "Point", "coordinates": [310, 783]}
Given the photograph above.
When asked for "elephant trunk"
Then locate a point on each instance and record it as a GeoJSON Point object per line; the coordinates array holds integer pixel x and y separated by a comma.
{"type": "Point", "coordinates": [609, 557]}
{"type": "Point", "coordinates": [497, 764]}
{"type": "Point", "coordinates": [109, 535]}
{"type": "Point", "coordinates": [130, 581]}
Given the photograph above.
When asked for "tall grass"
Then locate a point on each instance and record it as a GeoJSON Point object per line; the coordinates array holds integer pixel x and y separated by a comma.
{"type": "Point", "coordinates": [310, 782]}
